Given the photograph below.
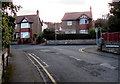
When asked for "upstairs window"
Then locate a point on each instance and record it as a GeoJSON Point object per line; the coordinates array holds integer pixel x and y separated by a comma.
{"type": "Point", "coordinates": [69, 23]}
{"type": "Point", "coordinates": [83, 21]}
{"type": "Point", "coordinates": [25, 25]}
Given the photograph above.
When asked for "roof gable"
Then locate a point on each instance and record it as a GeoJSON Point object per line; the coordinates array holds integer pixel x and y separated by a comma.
{"type": "Point", "coordinates": [75, 15]}
{"type": "Point", "coordinates": [83, 16]}
{"type": "Point", "coordinates": [25, 20]}
{"type": "Point", "coordinates": [29, 18]}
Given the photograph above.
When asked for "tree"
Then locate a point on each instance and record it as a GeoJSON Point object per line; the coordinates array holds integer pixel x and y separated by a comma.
{"type": "Point", "coordinates": [101, 23]}
{"type": "Point", "coordinates": [114, 19]}
{"type": "Point", "coordinates": [48, 31]}
{"type": "Point", "coordinates": [8, 22]}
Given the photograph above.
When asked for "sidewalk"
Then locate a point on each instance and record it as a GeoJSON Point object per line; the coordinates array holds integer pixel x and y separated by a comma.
{"type": "Point", "coordinates": [94, 50]}
{"type": "Point", "coordinates": [23, 70]}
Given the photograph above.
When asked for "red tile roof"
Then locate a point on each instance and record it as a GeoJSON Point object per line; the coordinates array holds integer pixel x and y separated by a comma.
{"type": "Point", "coordinates": [75, 15]}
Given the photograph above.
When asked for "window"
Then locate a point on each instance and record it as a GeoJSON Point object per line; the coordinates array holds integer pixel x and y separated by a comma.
{"type": "Point", "coordinates": [69, 23]}
{"type": "Point", "coordinates": [83, 31]}
{"type": "Point", "coordinates": [70, 31]}
{"type": "Point", "coordinates": [25, 34]}
{"type": "Point", "coordinates": [25, 25]}
{"type": "Point", "coordinates": [83, 21]}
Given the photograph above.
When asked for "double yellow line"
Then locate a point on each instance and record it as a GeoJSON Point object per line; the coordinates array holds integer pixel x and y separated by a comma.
{"type": "Point", "coordinates": [51, 78]}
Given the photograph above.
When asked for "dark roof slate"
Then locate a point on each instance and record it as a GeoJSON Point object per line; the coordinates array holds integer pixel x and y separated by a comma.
{"type": "Point", "coordinates": [30, 18]}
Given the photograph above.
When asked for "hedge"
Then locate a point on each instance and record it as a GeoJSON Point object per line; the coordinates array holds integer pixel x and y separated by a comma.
{"type": "Point", "coordinates": [68, 36]}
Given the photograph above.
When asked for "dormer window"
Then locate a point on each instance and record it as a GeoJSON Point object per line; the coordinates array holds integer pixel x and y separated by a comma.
{"type": "Point", "coordinates": [83, 19]}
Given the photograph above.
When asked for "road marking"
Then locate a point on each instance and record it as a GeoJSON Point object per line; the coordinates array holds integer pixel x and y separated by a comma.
{"type": "Point", "coordinates": [45, 50]}
{"type": "Point", "coordinates": [51, 78]}
{"type": "Point", "coordinates": [75, 58]}
{"type": "Point", "coordinates": [108, 66]}
{"type": "Point", "coordinates": [45, 64]}
{"type": "Point", "coordinates": [57, 48]}
{"type": "Point", "coordinates": [41, 74]}
{"type": "Point", "coordinates": [81, 49]}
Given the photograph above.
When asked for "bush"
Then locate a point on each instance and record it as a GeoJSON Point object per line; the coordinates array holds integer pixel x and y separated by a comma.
{"type": "Point", "coordinates": [68, 36]}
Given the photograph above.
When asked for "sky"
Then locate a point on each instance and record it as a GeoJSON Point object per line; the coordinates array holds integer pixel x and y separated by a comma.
{"type": "Point", "coordinates": [54, 10]}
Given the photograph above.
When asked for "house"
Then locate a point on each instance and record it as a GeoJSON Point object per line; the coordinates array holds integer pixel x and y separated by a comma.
{"type": "Point", "coordinates": [28, 27]}
{"type": "Point", "coordinates": [77, 22]}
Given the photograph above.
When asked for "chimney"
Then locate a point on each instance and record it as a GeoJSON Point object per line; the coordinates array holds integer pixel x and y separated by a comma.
{"type": "Point", "coordinates": [38, 12]}
{"type": "Point", "coordinates": [91, 11]}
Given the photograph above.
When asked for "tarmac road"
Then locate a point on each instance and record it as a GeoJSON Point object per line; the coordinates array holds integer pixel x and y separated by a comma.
{"type": "Point", "coordinates": [72, 63]}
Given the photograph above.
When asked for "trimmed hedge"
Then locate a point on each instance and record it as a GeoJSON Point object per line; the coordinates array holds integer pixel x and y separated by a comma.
{"type": "Point", "coordinates": [68, 36]}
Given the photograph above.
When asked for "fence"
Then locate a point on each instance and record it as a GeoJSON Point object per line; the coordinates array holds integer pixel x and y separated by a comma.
{"type": "Point", "coordinates": [111, 36]}
{"type": "Point", "coordinates": [112, 42]}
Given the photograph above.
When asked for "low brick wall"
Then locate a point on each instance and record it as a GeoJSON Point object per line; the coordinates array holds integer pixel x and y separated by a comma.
{"type": "Point", "coordinates": [71, 42]}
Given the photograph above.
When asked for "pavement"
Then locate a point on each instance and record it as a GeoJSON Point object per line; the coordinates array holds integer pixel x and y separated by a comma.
{"type": "Point", "coordinates": [23, 70]}
{"type": "Point", "coordinates": [94, 50]}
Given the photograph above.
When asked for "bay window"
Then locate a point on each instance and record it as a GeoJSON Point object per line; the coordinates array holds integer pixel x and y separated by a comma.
{"type": "Point", "coordinates": [25, 34]}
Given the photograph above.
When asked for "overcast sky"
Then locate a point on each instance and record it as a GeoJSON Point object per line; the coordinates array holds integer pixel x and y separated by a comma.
{"type": "Point", "coordinates": [53, 10]}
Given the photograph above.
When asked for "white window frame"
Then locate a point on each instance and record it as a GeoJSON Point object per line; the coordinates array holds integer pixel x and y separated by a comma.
{"type": "Point", "coordinates": [82, 21]}
{"type": "Point", "coordinates": [83, 31]}
{"type": "Point", "coordinates": [25, 25]}
{"type": "Point", "coordinates": [69, 23]}
{"type": "Point", "coordinates": [25, 34]}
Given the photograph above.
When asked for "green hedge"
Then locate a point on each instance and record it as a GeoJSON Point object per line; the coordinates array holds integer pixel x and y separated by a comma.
{"type": "Point", "coordinates": [68, 36]}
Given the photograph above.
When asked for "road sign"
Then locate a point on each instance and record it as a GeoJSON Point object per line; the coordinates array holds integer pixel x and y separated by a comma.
{"type": "Point", "coordinates": [96, 29]}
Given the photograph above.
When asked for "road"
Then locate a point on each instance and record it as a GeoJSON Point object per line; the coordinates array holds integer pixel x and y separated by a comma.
{"type": "Point", "coordinates": [71, 63]}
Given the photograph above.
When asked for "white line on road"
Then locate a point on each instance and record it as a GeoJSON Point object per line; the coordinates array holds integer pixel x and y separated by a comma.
{"type": "Point", "coordinates": [57, 48]}
{"type": "Point", "coordinates": [108, 66]}
{"type": "Point", "coordinates": [75, 58]}
{"type": "Point", "coordinates": [45, 64]}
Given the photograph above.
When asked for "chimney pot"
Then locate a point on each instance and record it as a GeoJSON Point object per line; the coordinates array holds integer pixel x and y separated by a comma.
{"type": "Point", "coordinates": [37, 12]}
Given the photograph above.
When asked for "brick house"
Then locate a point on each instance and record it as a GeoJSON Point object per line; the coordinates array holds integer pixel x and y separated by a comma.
{"type": "Point", "coordinates": [28, 26]}
{"type": "Point", "coordinates": [77, 22]}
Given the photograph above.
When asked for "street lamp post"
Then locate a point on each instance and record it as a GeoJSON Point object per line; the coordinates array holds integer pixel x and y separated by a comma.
{"type": "Point", "coordinates": [55, 36]}
{"type": "Point", "coordinates": [96, 30]}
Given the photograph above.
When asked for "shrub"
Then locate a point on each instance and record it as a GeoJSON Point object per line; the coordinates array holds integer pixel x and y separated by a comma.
{"type": "Point", "coordinates": [68, 36]}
